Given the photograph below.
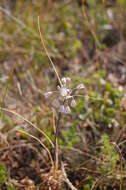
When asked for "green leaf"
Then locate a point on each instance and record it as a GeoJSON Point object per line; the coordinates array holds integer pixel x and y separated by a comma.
{"type": "Point", "coordinates": [2, 174]}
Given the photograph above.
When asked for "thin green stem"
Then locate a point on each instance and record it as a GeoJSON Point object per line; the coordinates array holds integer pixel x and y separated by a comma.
{"type": "Point", "coordinates": [90, 97]}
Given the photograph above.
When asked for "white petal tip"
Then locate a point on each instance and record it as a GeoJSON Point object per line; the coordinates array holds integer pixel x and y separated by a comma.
{"type": "Point", "coordinates": [47, 94]}
{"type": "Point", "coordinates": [67, 110]}
{"type": "Point", "coordinates": [55, 103]}
{"type": "Point", "coordinates": [80, 86]}
{"type": "Point", "coordinates": [73, 103]}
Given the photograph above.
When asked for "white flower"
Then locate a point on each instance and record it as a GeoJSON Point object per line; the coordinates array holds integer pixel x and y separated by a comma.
{"type": "Point", "coordinates": [64, 80]}
{"type": "Point", "coordinates": [62, 109]}
{"type": "Point", "coordinates": [64, 98]}
{"type": "Point", "coordinates": [56, 103]}
{"type": "Point", "coordinates": [47, 94]}
{"type": "Point", "coordinates": [63, 91]}
{"type": "Point", "coordinates": [73, 103]}
{"type": "Point", "coordinates": [80, 86]}
{"type": "Point", "coordinates": [86, 97]}
{"type": "Point", "coordinates": [109, 101]}
{"type": "Point", "coordinates": [120, 88]}
{"type": "Point", "coordinates": [102, 81]}
{"type": "Point", "coordinates": [68, 79]}
{"type": "Point", "coordinates": [67, 110]}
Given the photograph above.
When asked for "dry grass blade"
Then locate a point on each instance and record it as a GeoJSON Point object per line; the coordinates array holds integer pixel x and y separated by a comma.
{"type": "Point", "coordinates": [66, 179]}
{"type": "Point", "coordinates": [29, 122]}
{"type": "Point", "coordinates": [19, 22]}
{"type": "Point", "coordinates": [88, 23]}
{"type": "Point", "coordinates": [47, 53]}
{"type": "Point", "coordinates": [42, 144]}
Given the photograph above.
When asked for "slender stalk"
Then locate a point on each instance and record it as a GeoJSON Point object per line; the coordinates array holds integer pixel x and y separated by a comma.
{"type": "Point", "coordinates": [121, 164]}
{"type": "Point", "coordinates": [56, 148]}
{"type": "Point", "coordinates": [41, 143]}
{"type": "Point", "coordinates": [29, 122]}
{"type": "Point", "coordinates": [121, 168]}
{"type": "Point", "coordinates": [47, 53]}
{"type": "Point", "coordinates": [19, 22]}
{"type": "Point", "coordinates": [91, 29]}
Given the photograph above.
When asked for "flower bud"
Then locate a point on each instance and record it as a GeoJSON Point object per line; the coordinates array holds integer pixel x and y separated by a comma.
{"type": "Point", "coordinates": [73, 103]}
{"type": "Point", "coordinates": [62, 109]}
{"type": "Point", "coordinates": [67, 110]}
{"type": "Point", "coordinates": [64, 80]}
{"type": "Point", "coordinates": [80, 86]}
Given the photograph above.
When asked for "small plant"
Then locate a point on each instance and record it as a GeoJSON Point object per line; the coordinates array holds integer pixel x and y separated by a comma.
{"type": "Point", "coordinates": [109, 156]}
{"type": "Point", "coordinates": [63, 101]}
{"type": "Point", "coordinates": [4, 179]}
{"type": "Point", "coordinates": [2, 174]}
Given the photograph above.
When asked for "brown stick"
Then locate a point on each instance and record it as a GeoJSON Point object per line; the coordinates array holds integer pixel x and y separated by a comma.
{"type": "Point", "coordinates": [56, 149]}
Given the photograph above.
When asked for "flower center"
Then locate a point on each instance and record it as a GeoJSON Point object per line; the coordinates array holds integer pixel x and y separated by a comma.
{"type": "Point", "coordinates": [63, 91]}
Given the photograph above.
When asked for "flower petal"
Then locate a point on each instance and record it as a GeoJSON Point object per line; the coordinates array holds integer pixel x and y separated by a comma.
{"type": "Point", "coordinates": [64, 80]}
{"type": "Point", "coordinates": [67, 110]}
{"type": "Point", "coordinates": [73, 103]}
{"type": "Point", "coordinates": [48, 94]}
{"type": "Point", "coordinates": [80, 86]}
{"type": "Point", "coordinates": [56, 103]}
{"type": "Point", "coordinates": [68, 97]}
{"type": "Point", "coordinates": [63, 91]}
{"type": "Point", "coordinates": [68, 79]}
{"type": "Point", "coordinates": [62, 109]}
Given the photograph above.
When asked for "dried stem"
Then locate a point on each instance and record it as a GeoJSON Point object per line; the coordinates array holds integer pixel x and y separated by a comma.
{"type": "Point", "coordinates": [27, 121]}
{"type": "Point", "coordinates": [41, 143]}
{"type": "Point", "coordinates": [66, 179]}
{"type": "Point", "coordinates": [56, 149]}
{"type": "Point", "coordinates": [121, 164]}
{"type": "Point", "coordinates": [88, 24]}
{"type": "Point", "coordinates": [19, 22]}
{"type": "Point", "coordinates": [47, 53]}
